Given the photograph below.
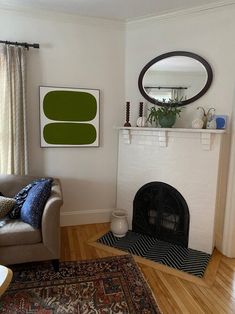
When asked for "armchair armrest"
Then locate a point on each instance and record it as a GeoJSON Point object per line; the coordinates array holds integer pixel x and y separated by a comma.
{"type": "Point", "coordinates": [51, 220]}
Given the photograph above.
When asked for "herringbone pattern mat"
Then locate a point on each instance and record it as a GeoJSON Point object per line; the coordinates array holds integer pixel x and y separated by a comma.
{"type": "Point", "coordinates": [191, 261]}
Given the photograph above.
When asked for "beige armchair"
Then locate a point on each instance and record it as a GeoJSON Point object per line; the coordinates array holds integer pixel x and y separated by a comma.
{"type": "Point", "coordinates": [19, 241]}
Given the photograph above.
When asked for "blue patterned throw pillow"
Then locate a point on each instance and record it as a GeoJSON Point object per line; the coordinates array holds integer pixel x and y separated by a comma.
{"type": "Point", "coordinates": [32, 209]}
{"type": "Point", "coordinates": [21, 196]}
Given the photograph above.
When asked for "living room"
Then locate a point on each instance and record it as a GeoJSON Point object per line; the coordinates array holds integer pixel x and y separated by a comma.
{"type": "Point", "coordinates": [108, 54]}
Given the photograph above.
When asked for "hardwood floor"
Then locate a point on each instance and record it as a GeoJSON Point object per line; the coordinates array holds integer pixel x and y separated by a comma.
{"type": "Point", "coordinates": [173, 294]}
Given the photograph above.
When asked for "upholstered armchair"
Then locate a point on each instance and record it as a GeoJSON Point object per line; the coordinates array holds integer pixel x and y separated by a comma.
{"type": "Point", "coordinates": [19, 241]}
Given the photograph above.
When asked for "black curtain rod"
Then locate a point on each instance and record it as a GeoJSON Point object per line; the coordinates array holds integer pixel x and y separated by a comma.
{"type": "Point", "coordinates": [15, 43]}
{"type": "Point", "coordinates": [165, 87]}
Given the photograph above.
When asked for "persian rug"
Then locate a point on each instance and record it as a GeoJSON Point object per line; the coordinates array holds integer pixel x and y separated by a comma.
{"type": "Point", "coordinates": [106, 285]}
{"type": "Point", "coordinates": [190, 261]}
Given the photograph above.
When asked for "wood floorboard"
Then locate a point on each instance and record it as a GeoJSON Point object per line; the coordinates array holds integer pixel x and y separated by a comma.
{"type": "Point", "coordinates": [173, 294]}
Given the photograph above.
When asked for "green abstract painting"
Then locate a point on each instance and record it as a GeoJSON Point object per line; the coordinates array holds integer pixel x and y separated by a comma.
{"type": "Point", "coordinates": [69, 117]}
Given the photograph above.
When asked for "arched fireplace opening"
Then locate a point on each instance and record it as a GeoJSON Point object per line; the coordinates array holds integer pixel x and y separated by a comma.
{"type": "Point", "coordinates": [160, 211]}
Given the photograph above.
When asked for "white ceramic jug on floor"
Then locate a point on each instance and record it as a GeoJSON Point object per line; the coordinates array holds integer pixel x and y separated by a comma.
{"type": "Point", "coordinates": [119, 224]}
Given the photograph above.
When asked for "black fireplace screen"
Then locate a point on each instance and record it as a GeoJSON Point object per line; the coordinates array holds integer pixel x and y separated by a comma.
{"type": "Point", "coordinates": [160, 211]}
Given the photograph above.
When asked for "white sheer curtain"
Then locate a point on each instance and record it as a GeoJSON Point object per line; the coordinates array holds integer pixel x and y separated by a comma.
{"type": "Point", "coordinates": [13, 143]}
{"type": "Point", "coordinates": [177, 94]}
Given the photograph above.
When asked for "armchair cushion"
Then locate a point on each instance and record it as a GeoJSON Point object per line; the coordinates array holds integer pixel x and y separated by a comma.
{"type": "Point", "coordinates": [17, 232]}
{"type": "Point", "coordinates": [32, 209]}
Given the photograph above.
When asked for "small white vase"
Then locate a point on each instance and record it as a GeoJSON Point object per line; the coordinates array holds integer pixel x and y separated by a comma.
{"type": "Point", "coordinates": [119, 224]}
{"type": "Point", "coordinates": [211, 124]}
{"type": "Point", "coordinates": [141, 121]}
{"type": "Point", "coordinates": [197, 123]}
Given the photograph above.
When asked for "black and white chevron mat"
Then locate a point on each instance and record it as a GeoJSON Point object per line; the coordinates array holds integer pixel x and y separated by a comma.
{"type": "Point", "coordinates": [188, 260]}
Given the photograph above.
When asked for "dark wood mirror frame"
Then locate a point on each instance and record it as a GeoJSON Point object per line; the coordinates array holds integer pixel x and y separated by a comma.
{"type": "Point", "coordinates": [173, 54]}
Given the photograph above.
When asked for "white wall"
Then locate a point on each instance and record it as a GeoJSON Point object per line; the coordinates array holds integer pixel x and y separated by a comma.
{"type": "Point", "coordinates": [74, 52]}
{"type": "Point", "coordinates": [207, 33]}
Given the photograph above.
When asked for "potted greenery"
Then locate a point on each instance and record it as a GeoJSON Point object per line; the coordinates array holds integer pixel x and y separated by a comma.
{"type": "Point", "coordinates": [165, 115]}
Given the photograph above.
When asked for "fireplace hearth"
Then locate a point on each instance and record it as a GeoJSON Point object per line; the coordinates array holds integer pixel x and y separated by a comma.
{"type": "Point", "coordinates": [160, 211]}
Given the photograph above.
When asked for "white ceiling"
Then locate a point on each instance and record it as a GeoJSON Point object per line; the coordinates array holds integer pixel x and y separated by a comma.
{"type": "Point", "coordinates": [111, 9]}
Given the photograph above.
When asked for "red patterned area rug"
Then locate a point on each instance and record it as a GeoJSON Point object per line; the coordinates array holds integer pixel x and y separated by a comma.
{"type": "Point", "coordinates": [107, 285]}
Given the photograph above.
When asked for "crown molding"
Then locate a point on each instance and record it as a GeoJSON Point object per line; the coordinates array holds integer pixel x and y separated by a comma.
{"type": "Point", "coordinates": [62, 16]}
{"type": "Point", "coordinates": [182, 12]}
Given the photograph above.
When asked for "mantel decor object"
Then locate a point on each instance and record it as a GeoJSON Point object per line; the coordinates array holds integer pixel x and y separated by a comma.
{"type": "Point", "coordinates": [207, 117]}
{"type": "Point", "coordinates": [141, 121]}
{"type": "Point", "coordinates": [166, 115]}
{"type": "Point", "coordinates": [119, 224]}
{"type": "Point", "coordinates": [221, 121]}
{"type": "Point", "coordinates": [127, 123]}
{"type": "Point", "coordinates": [197, 123]}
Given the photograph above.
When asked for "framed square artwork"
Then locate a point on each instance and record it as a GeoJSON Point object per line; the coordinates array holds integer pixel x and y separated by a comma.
{"type": "Point", "coordinates": [69, 117]}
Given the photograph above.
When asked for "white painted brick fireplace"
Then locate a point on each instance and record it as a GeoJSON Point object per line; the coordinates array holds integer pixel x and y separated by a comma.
{"type": "Point", "coordinates": [187, 159]}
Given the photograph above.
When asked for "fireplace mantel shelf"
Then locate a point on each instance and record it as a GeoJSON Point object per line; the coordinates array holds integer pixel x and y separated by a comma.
{"type": "Point", "coordinates": [206, 135]}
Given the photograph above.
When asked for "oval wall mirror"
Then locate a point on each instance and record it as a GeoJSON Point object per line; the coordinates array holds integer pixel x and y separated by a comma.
{"type": "Point", "coordinates": [180, 76]}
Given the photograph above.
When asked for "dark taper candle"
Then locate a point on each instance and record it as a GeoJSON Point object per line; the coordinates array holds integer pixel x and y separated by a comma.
{"type": "Point", "coordinates": [127, 114]}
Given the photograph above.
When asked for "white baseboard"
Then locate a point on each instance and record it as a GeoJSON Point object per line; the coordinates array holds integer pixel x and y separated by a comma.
{"type": "Point", "coordinates": [83, 217]}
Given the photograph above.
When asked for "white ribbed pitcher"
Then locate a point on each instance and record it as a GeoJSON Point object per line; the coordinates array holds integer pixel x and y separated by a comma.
{"type": "Point", "coordinates": [119, 224]}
